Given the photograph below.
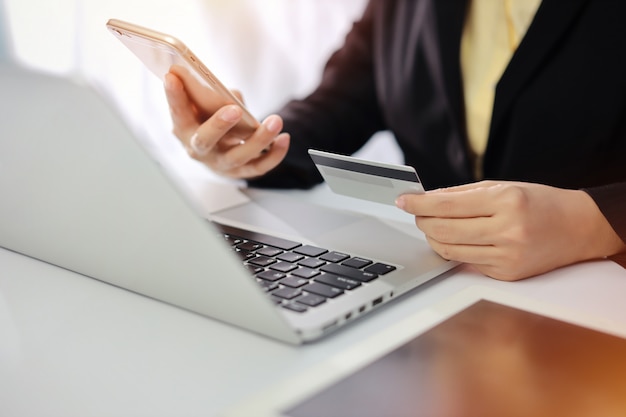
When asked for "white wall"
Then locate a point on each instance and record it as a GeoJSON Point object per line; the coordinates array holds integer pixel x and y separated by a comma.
{"type": "Point", "coordinates": [271, 50]}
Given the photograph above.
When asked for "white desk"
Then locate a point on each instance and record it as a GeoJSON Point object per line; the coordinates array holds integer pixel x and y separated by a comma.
{"type": "Point", "coordinates": [73, 346]}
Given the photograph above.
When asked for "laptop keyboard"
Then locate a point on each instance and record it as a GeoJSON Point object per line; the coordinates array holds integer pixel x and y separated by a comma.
{"type": "Point", "coordinates": [298, 276]}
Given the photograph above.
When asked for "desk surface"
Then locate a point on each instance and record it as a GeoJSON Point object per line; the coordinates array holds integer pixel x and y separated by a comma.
{"type": "Point", "coordinates": [73, 346]}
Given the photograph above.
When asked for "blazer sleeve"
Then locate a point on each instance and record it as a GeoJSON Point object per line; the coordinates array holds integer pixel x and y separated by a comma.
{"type": "Point", "coordinates": [611, 199]}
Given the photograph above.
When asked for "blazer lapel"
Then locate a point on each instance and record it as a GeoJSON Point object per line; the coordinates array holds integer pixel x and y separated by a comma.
{"type": "Point", "coordinates": [450, 15]}
{"type": "Point", "coordinates": [551, 22]}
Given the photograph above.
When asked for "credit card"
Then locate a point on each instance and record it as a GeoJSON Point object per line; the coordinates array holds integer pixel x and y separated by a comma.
{"type": "Point", "coordinates": [368, 180]}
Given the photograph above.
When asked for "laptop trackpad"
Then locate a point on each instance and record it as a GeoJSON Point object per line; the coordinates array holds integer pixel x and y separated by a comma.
{"type": "Point", "coordinates": [286, 215]}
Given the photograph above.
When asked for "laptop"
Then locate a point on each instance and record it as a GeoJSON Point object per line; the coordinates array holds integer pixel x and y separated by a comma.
{"type": "Point", "coordinates": [80, 191]}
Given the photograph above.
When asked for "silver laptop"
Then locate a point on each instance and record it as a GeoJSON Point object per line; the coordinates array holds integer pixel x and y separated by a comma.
{"type": "Point", "coordinates": [78, 191]}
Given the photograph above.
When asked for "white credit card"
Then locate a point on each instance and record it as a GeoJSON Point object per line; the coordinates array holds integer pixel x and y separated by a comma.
{"type": "Point", "coordinates": [367, 180]}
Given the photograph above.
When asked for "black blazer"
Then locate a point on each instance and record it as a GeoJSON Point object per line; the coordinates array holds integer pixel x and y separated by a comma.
{"type": "Point", "coordinates": [559, 115]}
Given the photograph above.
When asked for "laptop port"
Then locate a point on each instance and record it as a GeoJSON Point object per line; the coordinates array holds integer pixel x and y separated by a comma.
{"type": "Point", "coordinates": [377, 301]}
{"type": "Point", "coordinates": [329, 326]}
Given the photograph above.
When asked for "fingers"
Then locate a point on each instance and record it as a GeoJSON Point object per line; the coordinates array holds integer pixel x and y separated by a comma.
{"type": "Point", "coordinates": [477, 231]}
{"type": "Point", "coordinates": [199, 93]}
{"type": "Point", "coordinates": [492, 261]}
{"type": "Point", "coordinates": [264, 162]}
{"type": "Point", "coordinates": [256, 155]}
{"type": "Point", "coordinates": [216, 129]}
{"type": "Point", "coordinates": [191, 104]}
{"type": "Point", "coordinates": [461, 203]}
{"type": "Point", "coordinates": [476, 215]}
{"type": "Point", "coordinates": [216, 135]}
{"type": "Point", "coordinates": [182, 110]}
{"type": "Point", "coordinates": [229, 155]}
{"type": "Point", "coordinates": [471, 254]}
{"type": "Point", "coordinates": [469, 186]}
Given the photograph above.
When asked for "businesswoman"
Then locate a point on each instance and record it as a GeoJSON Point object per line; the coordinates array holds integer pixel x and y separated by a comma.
{"type": "Point", "coordinates": [512, 112]}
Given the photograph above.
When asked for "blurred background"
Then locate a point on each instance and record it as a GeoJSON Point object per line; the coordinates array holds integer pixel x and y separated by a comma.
{"type": "Point", "coordinates": [271, 50]}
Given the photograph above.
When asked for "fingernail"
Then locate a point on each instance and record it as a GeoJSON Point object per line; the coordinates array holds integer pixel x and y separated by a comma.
{"type": "Point", "coordinates": [281, 140]}
{"type": "Point", "coordinates": [400, 203]}
{"type": "Point", "coordinates": [196, 144]}
{"type": "Point", "coordinates": [230, 114]}
{"type": "Point", "coordinates": [272, 123]}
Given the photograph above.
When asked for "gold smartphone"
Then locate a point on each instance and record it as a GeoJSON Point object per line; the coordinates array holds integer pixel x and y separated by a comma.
{"type": "Point", "coordinates": [159, 52]}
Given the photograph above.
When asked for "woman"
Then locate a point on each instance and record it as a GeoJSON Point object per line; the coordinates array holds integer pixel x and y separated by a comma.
{"type": "Point", "coordinates": [551, 136]}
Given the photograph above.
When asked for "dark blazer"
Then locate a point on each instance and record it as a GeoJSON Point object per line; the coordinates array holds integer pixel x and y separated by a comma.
{"type": "Point", "coordinates": [559, 115]}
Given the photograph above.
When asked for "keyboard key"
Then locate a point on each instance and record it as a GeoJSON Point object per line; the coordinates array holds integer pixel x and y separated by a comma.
{"type": "Point", "coordinates": [312, 300]}
{"type": "Point", "coordinates": [276, 300]}
{"type": "Point", "coordinates": [298, 308]}
{"type": "Point", "coordinates": [245, 255]}
{"type": "Point", "coordinates": [233, 240]}
{"type": "Point", "coordinates": [249, 246]}
{"type": "Point", "coordinates": [348, 272]}
{"type": "Point", "coordinates": [323, 290]}
{"type": "Point", "coordinates": [269, 251]}
{"type": "Point", "coordinates": [305, 272]}
{"type": "Point", "coordinates": [335, 257]}
{"type": "Point", "coordinates": [271, 275]}
{"type": "Point", "coordinates": [283, 266]}
{"type": "Point", "coordinates": [337, 281]}
{"type": "Point", "coordinates": [356, 262]}
{"type": "Point", "coordinates": [311, 263]}
{"type": "Point", "coordinates": [262, 261]}
{"type": "Point", "coordinates": [290, 257]}
{"type": "Point", "coordinates": [309, 250]}
{"type": "Point", "coordinates": [287, 293]}
{"type": "Point", "coordinates": [267, 285]}
{"type": "Point", "coordinates": [294, 282]}
{"type": "Point", "coordinates": [254, 269]}
{"type": "Point", "coordinates": [380, 268]}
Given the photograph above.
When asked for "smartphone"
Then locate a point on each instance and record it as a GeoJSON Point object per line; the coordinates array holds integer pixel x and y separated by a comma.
{"type": "Point", "coordinates": [159, 52]}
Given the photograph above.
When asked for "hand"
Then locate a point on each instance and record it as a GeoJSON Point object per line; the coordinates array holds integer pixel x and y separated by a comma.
{"type": "Point", "coordinates": [512, 230]}
{"type": "Point", "coordinates": [210, 134]}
